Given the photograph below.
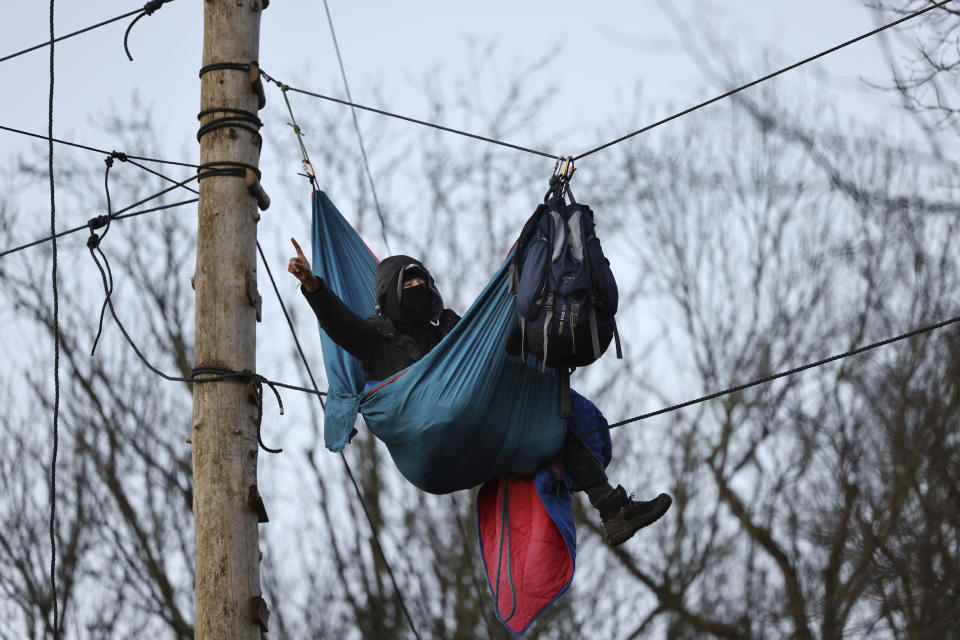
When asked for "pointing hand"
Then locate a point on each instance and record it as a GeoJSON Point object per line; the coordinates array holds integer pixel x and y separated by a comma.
{"type": "Point", "coordinates": [300, 267]}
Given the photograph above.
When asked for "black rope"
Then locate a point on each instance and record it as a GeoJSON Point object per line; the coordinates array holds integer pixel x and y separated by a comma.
{"type": "Point", "coordinates": [249, 377]}
{"type": "Point", "coordinates": [225, 168]}
{"type": "Point", "coordinates": [148, 10]}
{"type": "Point", "coordinates": [56, 348]}
{"type": "Point", "coordinates": [783, 374]}
{"type": "Point", "coordinates": [124, 158]}
{"type": "Point", "coordinates": [376, 539]}
{"type": "Point", "coordinates": [273, 384]}
{"type": "Point", "coordinates": [767, 77]}
{"type": "Point", "coordinates": [354, 105]}
{"type": "Point", "coordinates": [224, 123]}
{"type": "Point", "coordinates": [286, 314]}
{"type": "Point", "coordinates": [473, 565]}
{"type": "Point", "coordinates": [216, 374]}
{"type": "Point", "coordinates": [156, 173]}
{"type": "Point", "coordinates": [60, 234]}
{"type": "Point", "coordinates": [348, 103]}
{"type": "Point", "coordinates": [356, 127]}
{"type": "Point", "coordinates": [343, 457]}
{"type": "Point", "coordinates": [93, 243]}
{"type": "Point", "coordinates": [115, 217]}
{"type": "Point", "coordinates": [234, 66]}
{"type": "Point", "coordinates": [102, 220]}
{"type": "Point", "coordinates": [239, 118]}
{"type": "Point", "coordinates": [96, 150]}
{"type": "Point", "coordinates": [248, 115]}
{"type": "Point", "coordinates": [70, 35]}
{"type": "Point", "coordinates": [107, 274]}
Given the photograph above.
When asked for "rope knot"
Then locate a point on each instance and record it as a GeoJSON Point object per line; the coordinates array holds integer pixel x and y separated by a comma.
{"type": "Point", "coordinates": [98, 222]}
{"type": "Point", "coordinates": [153, 5]}
{"type": "Point", "coordinates": [119, 155]}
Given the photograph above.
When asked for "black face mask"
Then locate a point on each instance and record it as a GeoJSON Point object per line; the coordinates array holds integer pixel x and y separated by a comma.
{"type": "Point", "coordinates": [418, 302]}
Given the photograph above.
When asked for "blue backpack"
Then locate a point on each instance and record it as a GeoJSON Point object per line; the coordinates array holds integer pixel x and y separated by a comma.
{"type": "Point", "coordinates": [565, 291]}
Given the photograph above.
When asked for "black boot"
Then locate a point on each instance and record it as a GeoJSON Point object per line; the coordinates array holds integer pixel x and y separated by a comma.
{"type": "Point", "coordinates": [622, 516]}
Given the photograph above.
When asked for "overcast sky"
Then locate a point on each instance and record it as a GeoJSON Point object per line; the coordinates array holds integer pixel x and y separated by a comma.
{"type": "Point", "coordinates": [606, 49]}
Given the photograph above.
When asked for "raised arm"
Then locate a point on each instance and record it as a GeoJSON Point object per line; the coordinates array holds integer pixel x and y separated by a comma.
{"type": "Point", "coordinates": [354, 334]}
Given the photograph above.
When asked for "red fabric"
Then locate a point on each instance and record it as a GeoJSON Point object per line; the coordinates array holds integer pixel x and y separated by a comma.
{"type": "Point", "coordinates": [539, 561]}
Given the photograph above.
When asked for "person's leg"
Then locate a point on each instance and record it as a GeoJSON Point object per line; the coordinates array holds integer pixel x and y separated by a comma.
{"type": "Point", "coordinates": [585, 471]}
{"type": "Point", "coordinates": [621, 515]}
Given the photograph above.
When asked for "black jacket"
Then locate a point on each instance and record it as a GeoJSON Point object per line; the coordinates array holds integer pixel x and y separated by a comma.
{"type": "Point", "coordinates": [389, 341]}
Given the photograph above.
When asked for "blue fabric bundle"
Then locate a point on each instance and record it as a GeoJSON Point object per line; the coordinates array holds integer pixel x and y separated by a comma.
{"type": "Point", "coordinates": [464, 413]}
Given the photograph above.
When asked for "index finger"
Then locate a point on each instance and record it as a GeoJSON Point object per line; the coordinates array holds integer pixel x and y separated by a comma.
{"type": "Point", "coordinates": [299, 250]}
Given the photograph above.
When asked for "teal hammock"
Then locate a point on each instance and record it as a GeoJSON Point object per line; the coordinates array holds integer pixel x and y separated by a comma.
{"type": "Point", "coordinates": [466, 411]}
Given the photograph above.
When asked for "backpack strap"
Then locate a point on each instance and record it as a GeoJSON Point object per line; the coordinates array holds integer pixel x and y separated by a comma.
{"type": "Point", "coordinates": [548, 305]}
{"type": "Point", "coordinates": [593, 332]}
{"type": "Point", "coordinates": [526, 235]}
{"type": "Point", "coordinates": [574, 323]}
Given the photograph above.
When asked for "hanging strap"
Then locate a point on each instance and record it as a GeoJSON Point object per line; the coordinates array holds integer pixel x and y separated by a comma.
{"type": "Point", "coordinates": [593, 332]}
{"type": "Point", "coordinates": [309, 172]}
{"type": "Point", "coordinates": [505, 528]}
{"type": "Point", "coordinates": [616, 337]}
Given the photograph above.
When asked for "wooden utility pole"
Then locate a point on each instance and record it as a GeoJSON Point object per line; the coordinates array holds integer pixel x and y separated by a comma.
{"type": "Point", "coordinates": [228, 603]}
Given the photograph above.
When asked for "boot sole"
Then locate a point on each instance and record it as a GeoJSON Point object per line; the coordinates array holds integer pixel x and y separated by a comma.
{"type": "Point", "coordinates": [622, 531]}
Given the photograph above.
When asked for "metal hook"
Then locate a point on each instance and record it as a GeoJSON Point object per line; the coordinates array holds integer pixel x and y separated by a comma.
{"type": "Point", "coordinates": [560, 180]}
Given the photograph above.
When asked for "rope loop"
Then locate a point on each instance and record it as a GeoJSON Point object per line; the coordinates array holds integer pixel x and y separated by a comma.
{"type": "Point", "coordinates": [250, 377]}
{"type": "Point", "coordinates": [148, 10]}
{"type": "Point", "coordinates": [232, 66]}
{"type": "Point", "coordinates": [226, 168]}
{"type": "Point", "coordinates": [239, 118]}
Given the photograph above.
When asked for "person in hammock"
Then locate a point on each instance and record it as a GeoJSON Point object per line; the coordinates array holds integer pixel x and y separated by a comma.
{"type": "Point", "coordinates": [410, 321]}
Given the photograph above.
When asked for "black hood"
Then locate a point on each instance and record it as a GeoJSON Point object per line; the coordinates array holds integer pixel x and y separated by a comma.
{"type": "Point", "coordinates": [388, 285]}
